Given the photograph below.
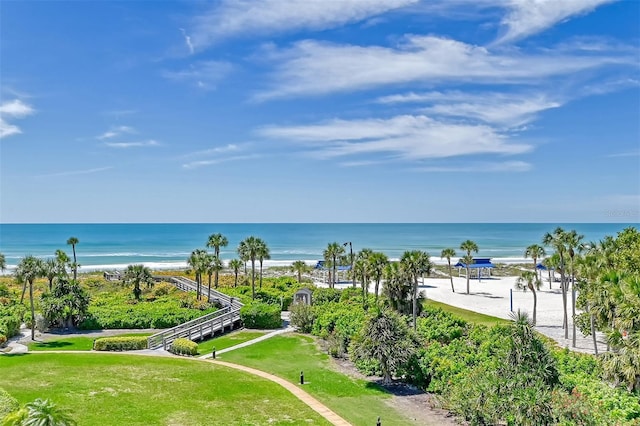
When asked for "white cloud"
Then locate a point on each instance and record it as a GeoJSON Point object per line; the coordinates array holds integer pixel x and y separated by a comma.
{"type": "Point", "coordinates": [480, 167]}
{"type": "Point", "coordinates": [204, 75]}
{"type": "Point", "coordinates": [232, 18]}
{"type": "Point", "coordinates": [223, 149]}
{"type": "Point", "coordinates": [635, 153]}
{"type": "Point", "coordinates": [139, 144]}
{"type": "Point", "coordinates": [76, 172]}
{"type": "Point", "coordinates": [405, 137]}
{"type": "Point", "coordinates": [116, 131]}
{"type": "Point", "coordinates": [204, 163]}
{"type": "Point", "coordinates": [312, 67]}
{"type": "Point", "coordinates": [187, 40]}
{"type": "Point", "coordinates": [527, 17]}
{"type": "Point", "coordinates": [14, 109]}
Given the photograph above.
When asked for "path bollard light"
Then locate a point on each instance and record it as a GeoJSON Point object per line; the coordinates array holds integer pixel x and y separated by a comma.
{"type": "Point", "coordinates": [301, 378]}
{"type": "Point", "coordinates": [378, 423]}
{"type": "Point", "coordinates": [213, 354]}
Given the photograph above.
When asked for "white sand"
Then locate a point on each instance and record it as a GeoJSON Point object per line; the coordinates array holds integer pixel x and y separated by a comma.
{"type": "Point", "coordinates": [492, 297]}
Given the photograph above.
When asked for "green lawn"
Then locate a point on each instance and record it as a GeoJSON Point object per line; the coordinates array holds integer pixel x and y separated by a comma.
{"type": "Point", "coordinates": [468, 316]}
{"type": "Point", "coordinates": [357, 401]}
{"type": "Point", "coordinates": [227, 340]}
{"type": "Point", "coordinates": [71, 343]}
{"type": "Point", "coordinates": [117, 389]}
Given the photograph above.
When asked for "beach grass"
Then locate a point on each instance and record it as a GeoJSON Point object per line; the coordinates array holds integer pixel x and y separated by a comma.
{"type": "Point", "coordinates": [228, 340]}
{"type": "Point", "coordinates": [79, 343]}
{"type": "Point", "coordinates": [469, 316]}
{"type": "Point", "coordinates": [100, 389]}
{"type": "Point", "coordinates": [358, 401]}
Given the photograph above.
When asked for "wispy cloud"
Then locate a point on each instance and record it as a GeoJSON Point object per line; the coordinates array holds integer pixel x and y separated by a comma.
{"type": "Point", "coordinates": [14, 109]}
{"type": "Point", "coordinates": [139, 144]}
{"type": "Point", "coordinates": [76, 172]}
{"type": "Point", "coordinates": [187, 40]}
{"type": "Point", "coordinates": [479, 167]}
{"type": "Point", "coordinates": [205, 75]}
{"type": "Point", "coordinates": [312, 67]}
{"type": "Point", "coordinates": [234, 18]}
{"type": "Point", "coordinates": [223, 149]}
{"type": "Point", "coordinates": [406, 137]}
{"type": "Point", "coordinates": [116, 131]}
{"type": "Point", "coordinates": [635, 153]}
{"type": "Point", "coordinates": [527, 17]}
{"type": "Point", "coordinates": [211, 162]}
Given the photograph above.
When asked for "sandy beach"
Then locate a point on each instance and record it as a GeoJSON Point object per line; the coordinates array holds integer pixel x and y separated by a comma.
{"type": "Point", "coordinates": [491, 296]}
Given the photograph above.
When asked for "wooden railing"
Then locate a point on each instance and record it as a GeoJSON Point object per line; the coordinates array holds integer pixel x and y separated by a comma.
{"type": "Point", "coordinates": [203, 326]}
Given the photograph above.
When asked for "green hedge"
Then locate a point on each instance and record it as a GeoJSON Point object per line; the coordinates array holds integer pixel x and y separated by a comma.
{"type": "Point", "coordinates": [131, 343]}
{"type": "Point", "coordinates": [261, 315]}
{"type": "Point", "coordinates": [184, 347]}
{"type": "Point", "coordinates": [8, 404]}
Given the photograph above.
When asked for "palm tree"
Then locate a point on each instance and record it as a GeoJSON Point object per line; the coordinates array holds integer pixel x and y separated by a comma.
{"type": "Point", "coordinates": [300, 268]}
{"type": "Point", "coordinates": [136, 275]}
{"type": "Point", "coordinates": [50, 270]}
{"type": "Point", "coordinates": [529, 281]}
{"type": "Point", "coordinates": [415, 263]}
{"type": "Point", "coordinates": [250, 248]}
{"type": "Point", "coordinates": [573, 242]}
{"type": "Point", "coordinates": [468, 246]}
{"type": "Point", "coordinates": [331, 254]}
{"type": "Point", "coordinates": [29, 269]}
{"type": "Point", "coordinates": [535, 252]}
{"type": "Point", "coordinates": [377, 263]}
{"type": "Point", "coordinates": [3, 263]}
{"type": "Point", "coordinates": [213, 266]}
{"type": "Point", "coordinates": [362, 260]}
{"type": "Point", "coordinates": [216, 241]}
{"type": "Point", "coordinates": [235, 264]}
{"type": "Point", "coordinates": [557, 241]}
{"type": "Point", "coordinates": [397, 287]}
{"type": "Point", "coordinates": [551, 263]}
{"type": "Point", "coordinates": [448, 253]}
{"type": "Point", "coordinates": [73, 241]}
{"type": "Point", "coordinates": [62, 260]}
{"type": "Point", "coordinates": [263, 254]}
{"type": "Point", "coordinates": [197, 261]}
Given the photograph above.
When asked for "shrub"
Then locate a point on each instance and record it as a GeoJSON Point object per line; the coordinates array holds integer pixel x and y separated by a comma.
{"type": "Point", "coordinates": [3, 340]}
{"type": "Point", "coordinates": [260, 315]}
{"type": "Point", "coordinates": [302, 316]}
{"type": "Point", "coordinates": [131, 343]}
{"type": "Point", "coordinates": [184, 347]}
{"type": "Point", "coordinates": [8, 404]}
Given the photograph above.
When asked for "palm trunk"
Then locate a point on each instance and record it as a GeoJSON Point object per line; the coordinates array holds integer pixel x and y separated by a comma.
{"type": "Point", "coordinates": [564, 300]}
{"type": "Point", "coordinates": [415, 301]}
{"type": "Point", "coordinates": [299, 277]}
{"type": "Point", "coordinates": [451, 276]}
{"type": "Point", "coordinates": [573, 308]}
{"type": "Point", "coordinates": [33, 312]}
{"type": "Point", "coordinates": [535, 304]}
{"type": "Point", "coordinates": [75, 263]}
{"type": "Point", "coordinates": [377, 286]}
{"type": "Point", "coordinates": [235, 283]}
{"type": "Point", "coordinates": [216, 279]}
{"type": "Point", "coordinates": [593, 331]}
{"type": "Point", "coordinates": [253, 279]}
{"type": "Point", "coordinates": [50, 284]}
{"type": "Point", "coordinates": [550, 278]}
{"type": "Point", "coordinates": [261, 274]}
{"type": "Point", "coordinates": [24, 290]}
{"type": "Point", "coordinates": [209, 292]}
{"type": "Point", "coordinates": [334, 273]}
{"type": "Point", "coordinates": [467, 279]}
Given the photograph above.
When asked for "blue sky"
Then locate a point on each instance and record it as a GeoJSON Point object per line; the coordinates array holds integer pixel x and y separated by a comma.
{"type": "Point", "coordinates": [320, 111]}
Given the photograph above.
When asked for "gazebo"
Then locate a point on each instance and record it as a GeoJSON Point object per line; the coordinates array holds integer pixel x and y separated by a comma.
{"type": "Point", "coordinates": [479, 265]}
{"type": "Point", "coordinates": [322, 267]}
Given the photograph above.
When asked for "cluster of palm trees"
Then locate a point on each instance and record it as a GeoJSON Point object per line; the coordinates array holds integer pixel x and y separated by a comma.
{"type": "Point", "coordinates": [251, 249]}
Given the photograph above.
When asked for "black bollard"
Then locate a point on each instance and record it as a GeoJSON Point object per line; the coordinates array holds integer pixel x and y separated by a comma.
{"type": "Point", "coordinates": [378, 423]}
{"type": "Point", "coordinates": [213, 354]}
{"type": "Point", "coordinates": [301, 378]}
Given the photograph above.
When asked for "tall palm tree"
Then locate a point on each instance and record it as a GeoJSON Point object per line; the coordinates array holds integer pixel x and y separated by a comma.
{"type": "Point", "coordinates": [197, 261]}
{"type": "Point", "coordinates": [136, 275]}
{"type": "Point", "coordinates": [213, 266]}
{"type": "Point", "coordinates": [235, 265]}
{"type": "Point", "coordinates": [551, 263]}
{"type": "Point", "coordinates": [50, 270]}
{"type": "Point", "coordinates": [331, 255]}
{"type": "Point", "coordinates": [573, 242]}
{"type": "Point", "coordinates": [529, 280]}
{"type": "Point", "coordinates": [300, 268]}
{"type": "Point", "coordinates": [415, 263]}
{"type": "Point", "coordinates": [216, 241]}
{"type": "Point", "coordinates": [535, 252]}
{"type": "Point", "coordinates": [377, 263]}
{"type": "Point", "coordinates": [448, 253]}
{"type": "Point", "coordinates": [469, 247]}
{"type": "Point", "coordinates": [250, 248]}
{"type": "Point", "coordinates": [556, 240]}
{"type": "Point", "coordinates": [263, 254]}
{"type": "Point", "coordinates": [73, 241]}
{"type": "Point", "coordinates": [364, 272]}
{"type": "Point", "coordinates": [29, 269]}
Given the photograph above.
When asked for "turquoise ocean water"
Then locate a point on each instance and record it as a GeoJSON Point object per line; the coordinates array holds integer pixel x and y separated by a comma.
{"type": "Point", "coordinates": [114, 246]}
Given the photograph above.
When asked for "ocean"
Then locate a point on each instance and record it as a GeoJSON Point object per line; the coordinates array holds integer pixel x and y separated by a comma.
{"type": "Point", "coordinates": [167, 246]}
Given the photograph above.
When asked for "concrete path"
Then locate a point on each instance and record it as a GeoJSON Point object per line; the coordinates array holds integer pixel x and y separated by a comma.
{"type": "Point", "coordinates": [288, 329]}
{"type": "Point", "coordinates": [303, 396]}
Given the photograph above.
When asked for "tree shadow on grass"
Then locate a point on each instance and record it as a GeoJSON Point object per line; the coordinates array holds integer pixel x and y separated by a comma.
{"type": "Point", "coordinates": [52, 345]}
{"type": "Point", "coordinates": [395, 388]}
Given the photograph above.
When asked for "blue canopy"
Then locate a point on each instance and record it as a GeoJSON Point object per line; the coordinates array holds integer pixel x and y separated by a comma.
{"type": "Point", "coordinates": [484, 262]}
{"type": "Point", "coordinates": [320, 265]}
{"type": "Point", "coordinates": [542, 267]}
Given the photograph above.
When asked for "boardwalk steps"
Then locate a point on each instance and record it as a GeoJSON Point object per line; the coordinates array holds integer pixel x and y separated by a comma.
{"type": "Point", "coordinates": [199, 328]}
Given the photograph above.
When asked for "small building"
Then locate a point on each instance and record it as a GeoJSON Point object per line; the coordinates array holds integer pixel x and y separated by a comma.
{"type": "Point", "coordinates": [481, 266]}
{"type": "Point", "coordinates": [112, 275]}
{"type": "Point", "coordinates": [303, 296]}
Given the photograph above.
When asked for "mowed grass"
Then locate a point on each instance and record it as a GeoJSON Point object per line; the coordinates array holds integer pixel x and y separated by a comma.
{"type": "Point", "coordinates": [114, 389]}
{"type": "Point", "coordinates": [79, 343]}
{"type": "Point", "coordinates": [227, 340]}
{"type": "Point", "coordinates": [469, 316]}
{"type": "Point", "coordinates": [358, 401]}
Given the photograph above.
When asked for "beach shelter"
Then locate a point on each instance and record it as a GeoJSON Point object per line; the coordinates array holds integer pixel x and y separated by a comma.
{"type": "Point", "coordinates": [481, 266]}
